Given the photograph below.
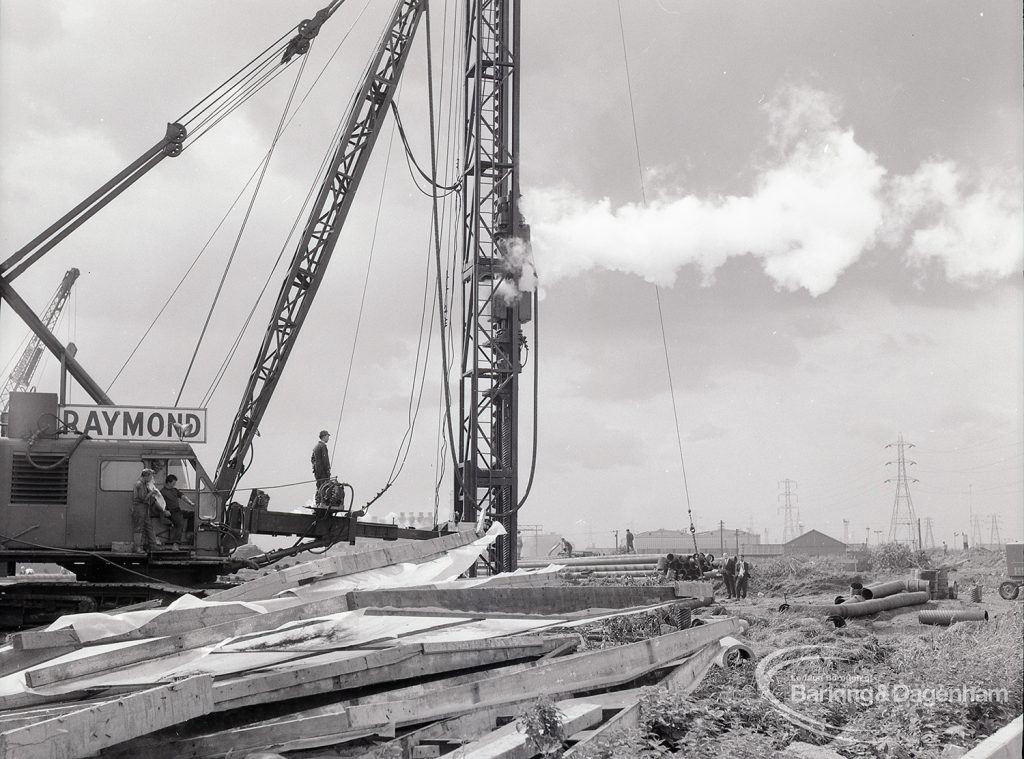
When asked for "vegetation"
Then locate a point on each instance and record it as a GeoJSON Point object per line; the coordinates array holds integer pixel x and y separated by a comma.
{"type": "Point", "coordinates": [542, 723]}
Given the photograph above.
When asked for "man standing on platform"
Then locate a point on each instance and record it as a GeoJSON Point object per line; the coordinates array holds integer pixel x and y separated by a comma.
{"type": "Point", "coordinates": [321, 462]}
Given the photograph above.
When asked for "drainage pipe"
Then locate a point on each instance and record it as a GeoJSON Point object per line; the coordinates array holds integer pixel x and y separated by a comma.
{"type": "Point", "coordinates": [915, 584]}
{"type": "Point", "coordinates": [732, 651]}
{"type": "Point", "coordinates": [951, 616]}
{"type": "Point", "coordinates": [883, 589]}
{"type": "Point", "coordinates": [880, 604]}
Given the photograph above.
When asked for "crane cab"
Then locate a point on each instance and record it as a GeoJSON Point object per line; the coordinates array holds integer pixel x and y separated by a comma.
{"type": "Point", "coordinates": [67, 499]}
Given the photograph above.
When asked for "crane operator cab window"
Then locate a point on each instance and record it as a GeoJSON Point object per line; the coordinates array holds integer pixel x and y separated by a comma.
{"type": "Point", "coordinates": [188, 482]}
{"type": "Point", "coordinates": [121, 475]}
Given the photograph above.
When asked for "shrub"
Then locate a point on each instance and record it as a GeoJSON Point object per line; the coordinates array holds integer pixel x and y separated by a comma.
{"type": "Point", "coordinates": [891, 557]}
{"type": "Point", "coordinates": [542, 722]}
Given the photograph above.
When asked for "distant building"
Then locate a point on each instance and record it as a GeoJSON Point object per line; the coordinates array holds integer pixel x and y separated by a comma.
{"type": "Point", "coordinates": [708, 541]}
{"type": "Point", "coordinates": [814, 543]}
{"type": "Point", "coordinates": [755, 551]}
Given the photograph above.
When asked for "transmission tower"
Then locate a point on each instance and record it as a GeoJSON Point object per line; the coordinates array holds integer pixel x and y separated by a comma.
{"type": "Point", "coordinates": [789, 530]}
{"type": "Point", "coordinates": [902, 527]}
{"type": "Point", "coordinates": [929, 537]}
{"type": "Point", "coordinates": [993, 537]}
{"type": "Point", "coordinates": [976, 540]}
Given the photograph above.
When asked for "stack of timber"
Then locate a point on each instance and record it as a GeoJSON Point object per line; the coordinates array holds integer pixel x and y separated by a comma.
{"type": "Point", "coordinates": [380, 654]}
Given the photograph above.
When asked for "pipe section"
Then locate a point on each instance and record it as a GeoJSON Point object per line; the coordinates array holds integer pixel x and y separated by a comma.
{"type": "Point", "coordinates": [732, 651]}
{"type": "Point", "coordinates": [883, 589]}
{"type": "Point", "coordinates": [880, 604]}
{"type": "Point", "coordinates": [951, 616]}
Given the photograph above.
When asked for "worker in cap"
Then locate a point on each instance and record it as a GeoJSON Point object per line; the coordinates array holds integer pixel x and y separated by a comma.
{"type": "Point", "coordinates": [146, 500]}
{"type": "Point", "coordinates": [321, 462]}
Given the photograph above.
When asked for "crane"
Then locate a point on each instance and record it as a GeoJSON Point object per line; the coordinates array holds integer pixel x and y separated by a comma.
{"type": "Point", "coordinates": [486, 473]}
{"type": "Point", "coordinates": [21, 377]}
{"type": "Point", "coordinates": [319, 237]}
{"type": "Point", "coordinates": [180, 134]}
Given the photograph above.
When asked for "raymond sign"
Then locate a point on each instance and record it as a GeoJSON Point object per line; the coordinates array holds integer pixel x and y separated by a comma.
{"type": "Point", "coordinates": [136, 422]}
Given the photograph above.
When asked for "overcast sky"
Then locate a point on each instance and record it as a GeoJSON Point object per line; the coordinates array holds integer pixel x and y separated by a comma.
{"type": "Point", "coordinates": [833, 213]}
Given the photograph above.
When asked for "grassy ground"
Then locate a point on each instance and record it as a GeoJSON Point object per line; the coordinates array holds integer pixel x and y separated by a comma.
{"type": "Point", "coordinates": [729, 715]}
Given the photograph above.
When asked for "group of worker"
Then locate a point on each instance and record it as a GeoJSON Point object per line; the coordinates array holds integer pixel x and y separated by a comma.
{"type": "Point", "coordinates": [735, 571]}
{"type": "Point", "coordinates": [150, 501]}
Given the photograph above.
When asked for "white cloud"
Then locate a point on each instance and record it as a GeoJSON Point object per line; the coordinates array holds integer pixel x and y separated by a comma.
{"type": "Point", "coordinates": [973, 227]}
{"type": "Point", "coordinates": [817, 203]}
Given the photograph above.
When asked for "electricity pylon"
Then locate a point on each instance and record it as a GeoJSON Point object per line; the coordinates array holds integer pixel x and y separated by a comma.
{"type": "Point", "coordinates": [789, 523]}
{"type": "Point", "coordinates": [902, 527]}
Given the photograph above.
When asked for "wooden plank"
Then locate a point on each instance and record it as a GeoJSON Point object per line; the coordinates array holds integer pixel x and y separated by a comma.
{"type": "Point", "coordinates": [627, 718]}
{"type": "Point", "coordinates": [308, 732]}
{"type": "Point", "coordinates": [249, 688]}
{"type": "Point", "coordinates": [462, 729]}
{"type": "Point", "coordinates": [336, 723]}
{"type": "Point", "coordinates": [576, 673]}
{"type": "Point", "coordinates": [511, 742]}
{"type": "Point", "coordinates": [688, 674]}
{"type": "Point", "coordinates": [525, 579]}
{"type": "Point", "coordinates": [164, 646]}
{"type": "Point", "coordinates": [167, 623]}
{"type": "Point", "coordinates": [345, 564]}
{"type": "Point", "coordinates": [387, 665]}
{"type": "Point", "coordinates": [303, 725]}
{"type": "Point", "coordinates": [34, 639]}
{"type": "Point", "coordinates": [523, 600]}
{"type": "Point", "coordinates": [685, 676]}
{"type": "Point", "coordinates": [12, 661]}
{"type": "Point", "coordinates": [85, 731]}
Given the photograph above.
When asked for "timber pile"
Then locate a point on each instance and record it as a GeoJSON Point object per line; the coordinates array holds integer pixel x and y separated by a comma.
{"type": "Point", "coordinates": [379, 654]}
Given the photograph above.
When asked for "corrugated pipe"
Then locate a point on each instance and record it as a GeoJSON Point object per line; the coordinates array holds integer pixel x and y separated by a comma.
{"type": "Point", "coordinates": [883, 589]}
{"type": "Point", "coordinates": [951, 616]}
{"type": "Point", "coordinates": [880, 604]}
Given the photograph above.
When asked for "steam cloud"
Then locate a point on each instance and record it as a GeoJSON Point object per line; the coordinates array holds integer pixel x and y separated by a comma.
{"type": "Point", "coordinates": [520, 274]}
{"type": "Point", "coordinates": [818, 203]}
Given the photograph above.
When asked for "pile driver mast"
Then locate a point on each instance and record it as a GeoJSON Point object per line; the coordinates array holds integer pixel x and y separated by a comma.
{"type": "Point", "coordinates": [493, 239]}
